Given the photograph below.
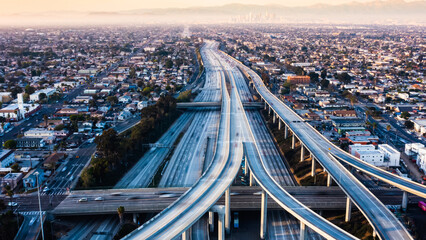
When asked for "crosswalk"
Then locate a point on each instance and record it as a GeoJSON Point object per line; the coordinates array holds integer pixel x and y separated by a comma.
{"type": "Point", "coordinates": [55, 192]}
{"type": "Point", "coordinates": [32, 213]}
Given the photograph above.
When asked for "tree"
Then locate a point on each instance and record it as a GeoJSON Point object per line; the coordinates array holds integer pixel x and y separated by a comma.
{"type": "Point", "coordinates": [45, 118]}
{"type": "Point", "coordinates": [9, 193]}
{"type": "Point", "coordinates": [112, 100]}
{"type": "Point", "coordinates": [344, 78]}
{"type": "Point", "coordinates": [324, 83]}
{"type": "Point", "coordinates": [42, 96]}
{"type": "Point", "coordinates": [132, 73]}
{"type": "Point", "coordinates": [59, 127]}
{"type": "Point", "coordinates": [10, 144]}
{"type": "Point", "coordinates": [265, 78]}
{"type": "Point", "coordinates": [405, 115]}
{"type": "Point", "coordinates": [120, 211]}
{"type": "Point", "coordinates": [374, 125]}
{"type": "Point", "coordinates": [29, 89]}
{"type": "Point", "coordinates": [323, 73]}
{"type": "Point", "coordinates": [409, 124]}
{"type": "Point", "coordinates": [314, 77]}
{"type": "Point", "coordinates": [15, 168]}
{"type": "Point", "coordinates": [388, 127]}
{"type": "Point", "coordinates": [169, 63]}
{"type": "Point", "coordinates": [2, 205]}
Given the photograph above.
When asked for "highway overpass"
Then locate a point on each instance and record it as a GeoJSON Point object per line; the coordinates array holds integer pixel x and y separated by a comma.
{"type": "Point", "coordinates": [383, 221]}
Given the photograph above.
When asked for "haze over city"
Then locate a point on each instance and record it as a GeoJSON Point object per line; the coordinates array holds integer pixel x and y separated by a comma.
{"type": "Point", "coordinates": [49, 12]}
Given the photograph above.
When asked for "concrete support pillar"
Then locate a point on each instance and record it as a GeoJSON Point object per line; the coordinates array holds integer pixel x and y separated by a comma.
{"type": "Point", "coordinates": [211, 221]}
{"type": "Point", "coordinates": [227, 211]}
{"type": "Point", "coordinates": [251, 179]}
{"type": "Point", "coordinates": [302, 153]}
{"type": "Point", "coordinates": [274, 117]}
{"type": "Point", "coordinates": [266, 105]}
{"type": "Point", "coordinates": [303, 231]}
{"type": "Point", "coordinates": [269, 110]}
{"type": "Point", "coordinates": [263, 215]}
{"type": "Point", "coordinates": [313, 167]}
{"type": "Point", "coordinates": [221, 229]}
{"type": "Point", "coordinates": [311, 155]}
{"type": "Point", "coordinates": [246, 168]}
{"type": "Point", "coordinates": [285, 131]}
{"type": "Point", "coordinates": [329, 179]}
{"type": "Point", "coordinates": [279, 124]}
{"type": "Point", "coordinates": [292, 142]}
{"type": "Point", "coordinates": [135, 218]}
{"type": "Point", "coordinates": [348, 209]}
{"type": "Point", "coordinates": [186, 235]}
{"type": "Point", "coordinates": [374, 233]}
{"type": "Point", "coordinates": [404, 201]}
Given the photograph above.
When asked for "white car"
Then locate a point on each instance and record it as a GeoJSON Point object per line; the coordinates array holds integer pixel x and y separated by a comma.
{"type": "Point", "coordinates": [99, 199]}
{"type": "Point", "coordinates": [12, 204]}
{"type": "Point", "coordinates": [82, 200]}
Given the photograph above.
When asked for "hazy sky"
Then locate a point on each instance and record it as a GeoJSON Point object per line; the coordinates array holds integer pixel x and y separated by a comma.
{"type": "Point", "coordinates": [34, 6]}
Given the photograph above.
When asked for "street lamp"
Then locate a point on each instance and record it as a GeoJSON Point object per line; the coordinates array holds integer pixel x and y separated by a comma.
{"type": "Point", "coordinates": [39, 205]}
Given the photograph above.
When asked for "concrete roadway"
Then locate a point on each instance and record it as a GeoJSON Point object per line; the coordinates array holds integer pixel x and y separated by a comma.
{"type": "Point", "coordinates": [289, 203]}
{"type": "Point", "coordinates": [280, 224]}
{"type": "Point", "coordinates": [383, 221]}
{"type": "Point", "coordinates": [177, 217]}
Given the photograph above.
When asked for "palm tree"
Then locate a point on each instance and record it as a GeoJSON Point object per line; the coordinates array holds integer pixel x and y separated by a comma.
{"type": "Point", "coordinates": [45, 117]}
{"type": "Point", "coordinates": [120, 211]}
{"type": "Point", "coordinates": [374, 125]}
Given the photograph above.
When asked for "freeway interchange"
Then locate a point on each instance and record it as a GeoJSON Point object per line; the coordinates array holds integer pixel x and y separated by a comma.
{"type": "Point", "coordinates": [223, 139]}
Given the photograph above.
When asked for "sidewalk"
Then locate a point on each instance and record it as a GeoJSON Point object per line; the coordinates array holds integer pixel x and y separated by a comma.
{"type": "Point", "coordinates": [414, 170]}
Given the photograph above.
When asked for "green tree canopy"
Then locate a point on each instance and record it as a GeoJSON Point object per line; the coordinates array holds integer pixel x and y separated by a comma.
{"type": "Point", "coordinates": [10, 144]}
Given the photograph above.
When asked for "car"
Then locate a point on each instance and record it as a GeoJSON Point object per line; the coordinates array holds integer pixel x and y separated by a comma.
{"type": "Point", "coordinates": [116, 194]}
{"type": "Point", "coordinates": [168, 195]}
{"type": "Point", "coordinates": [64, 169]}
{"type": "Point", "coordinates": [82, 200]}
{"type": "Point", "coordinates": [46, 189]}
{"type": "Point", "coordinates": [99, 199]}
{"type": "Point", "coordinates": [12, 204]}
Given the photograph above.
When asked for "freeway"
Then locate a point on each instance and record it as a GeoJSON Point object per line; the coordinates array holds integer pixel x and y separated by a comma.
{"type": "Point", "coordinates": [204, 193]}
{"type": "Point", "coordinates": [272, 187]}
{"type": "Point", "coordinates": [289, 203]}
{"type": "Point", "coordinates": [383, 221]}
{"type": "Point", "coordinates": [149, 200]}
{"type": "Point", "coordinates": [144, 170]}
{"type": "Point", "coordinates": [279, 223]}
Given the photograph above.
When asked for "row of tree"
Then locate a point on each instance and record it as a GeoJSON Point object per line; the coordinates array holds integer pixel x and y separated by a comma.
{"type": "Point", "coordinates": [118, 152]}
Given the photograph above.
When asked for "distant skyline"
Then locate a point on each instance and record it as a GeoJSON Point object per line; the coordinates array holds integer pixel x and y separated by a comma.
{"type": "Point", "coordinates": [40, 6]}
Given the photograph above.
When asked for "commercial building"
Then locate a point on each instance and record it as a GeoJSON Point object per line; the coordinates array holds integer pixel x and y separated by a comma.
{"type": "Point", "coordinates": [36, 96]}
{"type": "Point", "coordinates": [7, 158]}
{"type": "Point", "coordinates": [417, 151]}
{"type": "Point", "coordinates": [392, 156]}
{"type": "Point", "coordinates": [358, 147]}
{"type": "Point", "coordinates": [39, 133]}
{"type": "Point", "coordinates": [298, 79]}
{"type": "Point", "coordinates": [374, 157]}
{"type": "Point", "coordinates": [420, 125]}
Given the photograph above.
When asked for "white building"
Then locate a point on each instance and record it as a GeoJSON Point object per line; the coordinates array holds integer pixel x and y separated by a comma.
{"type": "Point", "coordinates": [48, 91]}
{"type": "Point", "coordinates": [358, 147]}
{"type": "Point", "coordinates": [7, 158]}
{"type": "Point", "coordinates": [418, 152]}
{"type": "Point", "coordinates": [420, 125]}
{"type": "Point", "coordinates": [39, 133]}
{"type": "Point", "coordinates": [124, 115]}
{"type": "Point", "coordinates": [374, 157]}
{"type": "Point", "coordinates": [412, 149]}
{"type": "Point", "coordinates": [392, 156]}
